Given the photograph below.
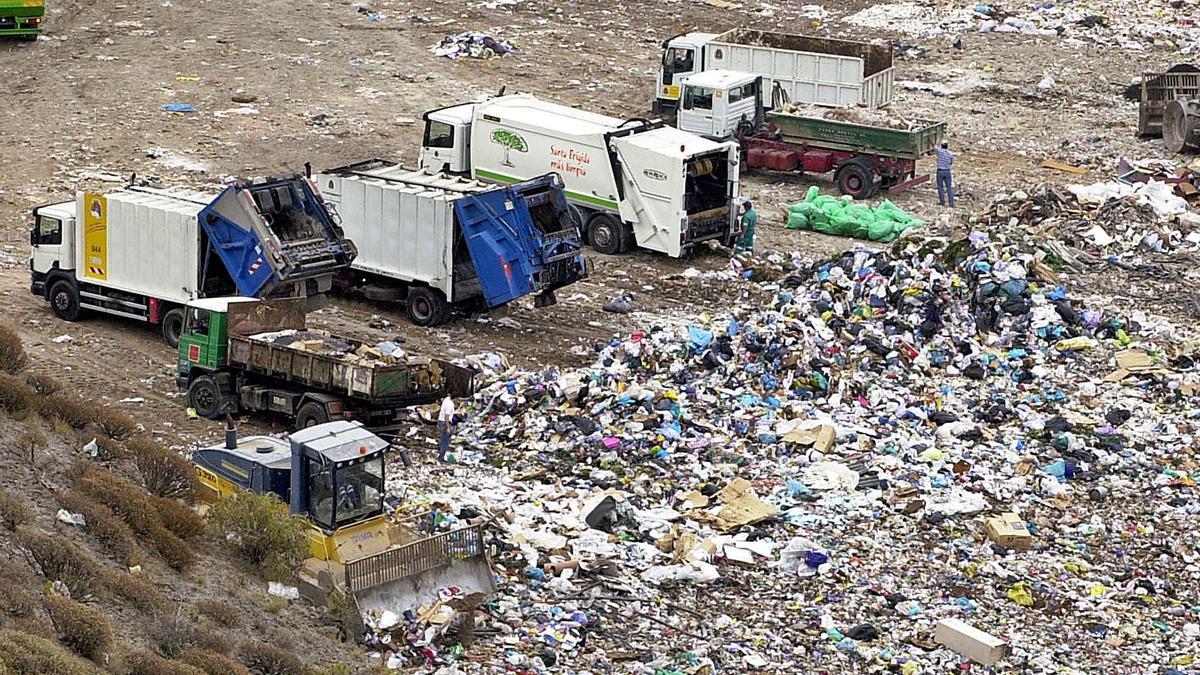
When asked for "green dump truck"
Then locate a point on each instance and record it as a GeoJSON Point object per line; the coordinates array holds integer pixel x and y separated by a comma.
{"type": "Point", "coordinates": [21, 18]}
{"type": "Point", "coordinates": [249, 355]}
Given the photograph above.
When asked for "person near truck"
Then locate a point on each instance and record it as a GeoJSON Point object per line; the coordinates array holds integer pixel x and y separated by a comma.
{"type": "Point", "coordinates": [445, 423]}
{"type": "Point", "coordinates": [749, 223]}
{"type": "Point", "coordinates": [945, 183]}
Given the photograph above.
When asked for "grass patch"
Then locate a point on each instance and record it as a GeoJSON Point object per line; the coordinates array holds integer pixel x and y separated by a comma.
{"type": "Point", "coordinates": [213, 663]}
{"type": "Point", "coordinates": [164, 473]}
{"type": "Point", "coordinates": [60, 559]}
{"type": "Point", "coordinates": [265, 659]}
{"type": "Point", "coordinates": [25, 654]}
{"type": "Point", "coordinates": [220, 613]}
{"type": "Point", "coordinates": [12, 352]}
{"type": "Point", "coordinates": [43, 385]}
{"type": "Point", "coordinates": [109, 529]}
{"type": "Point", "coordinates": [265, 533]}
{"type": "Point", "coordinates": [13, 511]}
{"type": "Point", "coordinates": [136, 509]}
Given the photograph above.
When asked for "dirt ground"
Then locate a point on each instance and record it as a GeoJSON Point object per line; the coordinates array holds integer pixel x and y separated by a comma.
{"type": "Point", "coordinates": [83, 107]}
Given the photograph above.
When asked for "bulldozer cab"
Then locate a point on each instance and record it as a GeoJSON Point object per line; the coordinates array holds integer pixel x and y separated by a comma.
{"type": "Point", "coordinates": [341, 476]}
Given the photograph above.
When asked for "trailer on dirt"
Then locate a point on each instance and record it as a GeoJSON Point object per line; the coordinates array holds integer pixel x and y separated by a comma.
{"type": "Point", "coordinates": [864, 158]}
{"type": "Point", "coordinates": [248, 355]}
{"type": "Point", "coordinates": [334, 476]}
{"type": "Point", "coordinates": [21, 18]}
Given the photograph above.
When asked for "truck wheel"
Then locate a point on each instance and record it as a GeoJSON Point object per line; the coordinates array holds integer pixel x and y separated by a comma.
{"type": "Point", "coordinates": [204, 396]}
{"type": "Point", "coordinates": [427, 306]}
{"type": "Point", "coordinates": [172, 327]}
{"type": "Point", "coordinates": [856, 180]}
{"type": "Point", "coordinates": [64, 301]}
{"type": "Point", "coordinates": [310, 415]}
{"type": "Point", "coordinates": [605, 234]}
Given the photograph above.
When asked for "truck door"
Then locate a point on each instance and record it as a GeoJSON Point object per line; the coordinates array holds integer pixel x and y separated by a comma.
{"type": "Point", "coordinates": [679, 60]}
{"type": "Point", "coordinates": [696, 110]}
{"type": "Point", "coordinates": [443, 147]}
{"type": "Point", "coordinates": [52, 241]}
{"type": "Point", "coordinates": [499, 232]}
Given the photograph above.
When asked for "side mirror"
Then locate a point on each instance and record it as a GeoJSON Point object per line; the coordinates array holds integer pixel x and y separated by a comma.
{"type": "Point", "coordinates": [33, 236]}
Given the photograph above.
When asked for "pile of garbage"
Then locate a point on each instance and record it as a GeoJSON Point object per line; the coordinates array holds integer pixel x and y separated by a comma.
{"type": "Point", "coordinates": [321, 342]}
{"type": "Point", "coordinates": [471, 44]}
{"type": "Point", "coordinates": [895, 461]}
{"type": "Point", "coordinates": [872, 117]}
{"type": "Point", "coordinates": [1141, 211]}
{"type": "Point", "coordinates": [847, 218]}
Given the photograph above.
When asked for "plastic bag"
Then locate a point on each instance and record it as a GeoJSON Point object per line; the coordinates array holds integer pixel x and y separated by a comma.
{"type": "Point", "coordinates": [797, 221]}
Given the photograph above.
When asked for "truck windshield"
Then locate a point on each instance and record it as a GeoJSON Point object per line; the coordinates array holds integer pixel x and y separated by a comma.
{"type": "Point", "coordinates": [678, 60]}
{"type": "Point", "coordinates": [197, 321]}
{"type": "Point", "coordinates": [439, 135]}
{"type": "Point", "coordinates": [698, 98]}
{"type": "Point", "coordinates": [359, 490]}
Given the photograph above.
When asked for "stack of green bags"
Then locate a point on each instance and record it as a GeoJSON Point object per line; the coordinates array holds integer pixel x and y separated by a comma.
{"type": "Point", "coordinates": [844, 217]}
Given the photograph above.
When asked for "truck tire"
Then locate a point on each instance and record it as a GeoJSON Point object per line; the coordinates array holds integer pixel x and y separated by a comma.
{"type": "Point", "coordinates": [64, 300]}
{"type": "Point", "coordinates": [426, 306]}
{"type": "Point", "coordinates": [311, 414]}
{"type": "Point", "coordinates": [172, 327]}
{"type": "Point", "coordinates": [604, 232]}
{"type": "Point", "coordinates": [204, 396]}
{"type": "Point", "coordinates": [856, 180]}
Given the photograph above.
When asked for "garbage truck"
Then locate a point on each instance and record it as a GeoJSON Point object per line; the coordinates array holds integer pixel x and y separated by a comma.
{"type": "Point", "coordinates": [812, 70]}
{"type": "Point", "coordinates": [144, 253]}
{"type": "Point", "coordinates": [378, 559]}
{"type": "Point", "coordinates": [440, 241]}
{"type": "Point", "coordinates": [636, 182]}
{"type": "Point", "coordinates": [249, 355]}
{"type": "Point", "coordinates": [21, 18]}
{"type": "Point", "coordinates": [864, 157]}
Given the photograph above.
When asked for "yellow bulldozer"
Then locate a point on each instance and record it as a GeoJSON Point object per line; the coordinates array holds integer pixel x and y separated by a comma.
{"type": "Point", "coordinates": [333, 475]}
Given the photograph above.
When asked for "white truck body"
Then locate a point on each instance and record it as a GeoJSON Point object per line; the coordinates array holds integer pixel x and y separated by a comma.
{"type": "Point", "coordinates": [819, 71]}
{"type": "Point", "coordinates": [402, 221]}
{"type": "Point", "coordinates": [668, 188]}
{"type": "Point", "coordinates": [155, 225]}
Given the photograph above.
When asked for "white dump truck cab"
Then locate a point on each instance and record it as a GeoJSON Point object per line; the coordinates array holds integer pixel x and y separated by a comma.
{"type": "Point", "coordinates": [52, 242]}
{"type": "Point", "coordinates": [446, 144]}
{"type": "Point", "coordinates": [714, 103]}
{"type": "Point", "coordinates": [682, 56]}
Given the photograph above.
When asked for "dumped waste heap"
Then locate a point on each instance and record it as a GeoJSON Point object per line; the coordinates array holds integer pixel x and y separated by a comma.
{"type": "Point", "coordinates": [892, 439]}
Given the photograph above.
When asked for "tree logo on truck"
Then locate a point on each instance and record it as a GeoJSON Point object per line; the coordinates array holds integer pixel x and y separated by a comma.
{"type": "Point", "coordinates": [509, 141]}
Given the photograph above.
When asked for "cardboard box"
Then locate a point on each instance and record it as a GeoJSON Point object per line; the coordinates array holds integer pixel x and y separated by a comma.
{"type": "Point", "coordinates": [971, 642]}
{"type": "Point", "coordinates": [1009, 531]}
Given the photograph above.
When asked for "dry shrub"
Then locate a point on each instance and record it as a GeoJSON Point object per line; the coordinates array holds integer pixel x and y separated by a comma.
{"type": "Point", "coordinates": [219, 612]}
{"type": "Point", "coordinates": [175, 635]}
{"type": "Point", "coordinates": [32, 440]}
{"type": "Point", "coordinates": [67, 410]}
{"type": "Point", "coordinates": [137, 590]}
{"type": "Point", "coordinates": [265, 659]}
{"type": "Point", "coordinates": [163, 472]}
{"type": "Point", "coordinates": [113, 533]}
{"type": "Point", "coordinates": [265, 532]}
{"type": "Point", "coordinates": [136, 509]}
{"type": "Point", "coordinates": [16, 397]}
{"type": "Point", "coordinates": [213, 663]}
{"type": "Point", "coordinates": [14, 512]}
{"type": "Point", "coordinates": [109, 450]}
{"type": "Point", "coordinates": [43, 385]}
{"type": "Point", "coordinates": [12, 352]}
{"type": "Point", "coordinates": [112, 422]}
{"type": "Point", "coordinates": [179, 518]}
{"type": "Point", "coordinates": [25, 654]}
{"type": "Point", "coordinates": [80, 627]}
{"type": "Point", "coordinates": [141, 662]}
{"type": "Point", "coordinates": [20, 599]}
{"type": "Point", "coordinates": [60, 559]}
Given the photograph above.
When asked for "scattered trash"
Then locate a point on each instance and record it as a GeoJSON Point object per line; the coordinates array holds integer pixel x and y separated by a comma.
{"type": "Point", "coordinates": [280, 590]}
{"type": "Point", "coordinates": [71, 518]}
{"type": "Point", "coordinates": [971, 642]}
{"type": "Point", "coordinates": [179, 108]}
{"type": "Point", "coordinates": [62, 339]}
{"type": "Point", "coordinates": [471, 44]}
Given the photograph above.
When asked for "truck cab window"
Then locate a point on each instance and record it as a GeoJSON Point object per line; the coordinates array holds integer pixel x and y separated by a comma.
{"type": "Point", "coordinates": [745, 91]}
{"type": "Point", "coordinates": [198, 321]}
{"type": "Point", "coordinates": [698, 98]}
{"type": "Point", "coordinates": [678, 60]}
{"type": "Point", "coordinates": [49, 231]}
{"type": "Point", "coordinates": [439, 135]}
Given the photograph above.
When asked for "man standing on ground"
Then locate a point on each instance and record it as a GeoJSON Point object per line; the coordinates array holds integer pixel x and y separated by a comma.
{"type": "Point", "coordinates": [445, 421]}
{"type": "Point", "coordinates": [749, 223]}
{"type": "Point", "coordinates": [945, 183]}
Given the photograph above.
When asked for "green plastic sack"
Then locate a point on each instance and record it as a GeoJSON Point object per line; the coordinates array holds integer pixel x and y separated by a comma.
{"type": "Point", "coordinates": [813, 192]}
{"type": "Point", "coordinates": [893, 212]}
{"type": "Point", "coordinates": [797, 221]}
{"type": "Point", "coordinates": [882, 230]}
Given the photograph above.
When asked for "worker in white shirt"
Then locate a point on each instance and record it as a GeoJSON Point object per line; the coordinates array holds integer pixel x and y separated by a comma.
{"type": "Point", "coordinates": [445, 422]}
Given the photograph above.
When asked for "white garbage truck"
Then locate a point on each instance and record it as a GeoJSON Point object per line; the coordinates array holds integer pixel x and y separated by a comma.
{"type": "Point", "coordinates": [144, 253]}
{"type": "Point", "coordinates": [636, 182]}
{"type": "Point", "coordinates": [797, 68]}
